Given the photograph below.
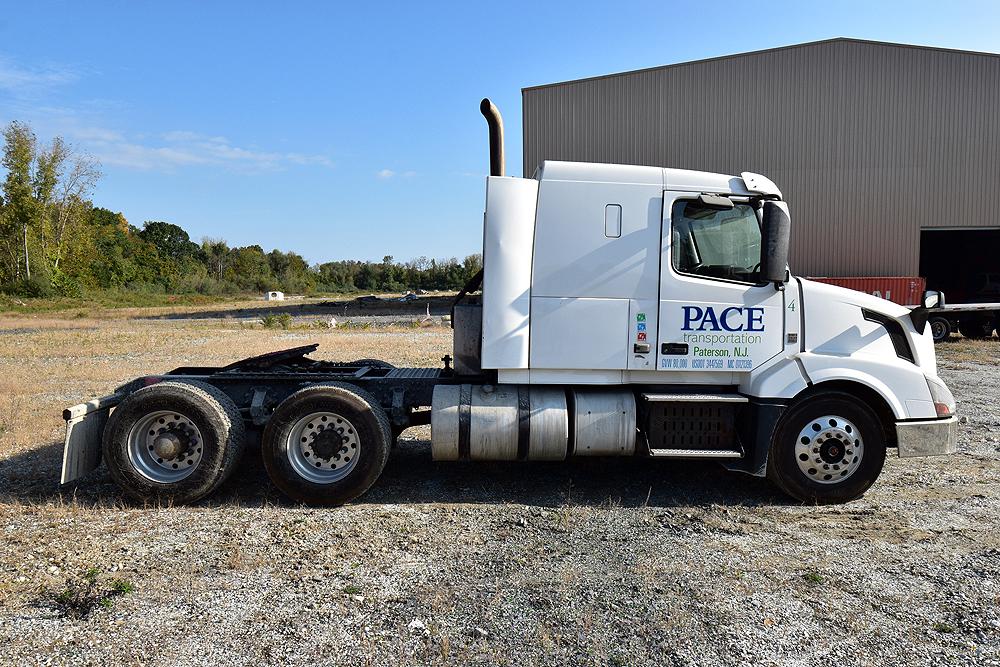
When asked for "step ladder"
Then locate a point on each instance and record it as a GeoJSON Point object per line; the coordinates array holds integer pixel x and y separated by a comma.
{"type": "Point", "coordinates": [725, 405]}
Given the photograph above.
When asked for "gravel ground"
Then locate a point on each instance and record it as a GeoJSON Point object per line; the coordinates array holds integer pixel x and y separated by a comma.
{"type": "Point", "coordinates": [620, 562]}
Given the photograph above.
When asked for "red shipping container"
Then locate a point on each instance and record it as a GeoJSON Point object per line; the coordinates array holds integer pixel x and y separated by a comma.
{"type": "Point", "coordinates": [905, 291]}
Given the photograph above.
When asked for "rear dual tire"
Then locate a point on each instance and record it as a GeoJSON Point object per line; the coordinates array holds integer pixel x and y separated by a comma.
{"type": "Point", "coordinates": [173, 442]}
{"type": "Point", "coordinates": [326, 444]}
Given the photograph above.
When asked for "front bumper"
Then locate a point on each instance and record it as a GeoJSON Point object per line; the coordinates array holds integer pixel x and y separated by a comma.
{"type": "Point", "coordinates": [927, 438]}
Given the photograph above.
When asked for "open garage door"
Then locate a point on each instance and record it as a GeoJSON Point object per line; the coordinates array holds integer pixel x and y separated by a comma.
{"type": "Point", "coordinates": [962, 263]}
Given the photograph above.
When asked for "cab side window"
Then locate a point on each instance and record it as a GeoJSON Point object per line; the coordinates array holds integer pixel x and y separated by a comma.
{"type": "Point", "coordinates": [715, 243]}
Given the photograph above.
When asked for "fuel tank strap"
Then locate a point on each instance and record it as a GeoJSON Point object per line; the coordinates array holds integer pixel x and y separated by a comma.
{"type": "Point", "coordinates": [464, 421]}
{"type": "Point", "coordinates": [523, 422]}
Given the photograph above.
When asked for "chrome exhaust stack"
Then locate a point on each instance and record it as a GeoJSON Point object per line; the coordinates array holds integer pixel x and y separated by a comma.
{"type": "Point", "coordinates": [495, 122]}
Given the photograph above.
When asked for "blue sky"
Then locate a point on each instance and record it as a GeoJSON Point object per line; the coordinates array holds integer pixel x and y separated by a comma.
{"type": "Point", "coordinates": [352, 130]}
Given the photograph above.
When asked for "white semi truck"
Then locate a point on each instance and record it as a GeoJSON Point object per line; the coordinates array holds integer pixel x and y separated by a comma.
{"type": "Point", "coordinates": [625, 311]}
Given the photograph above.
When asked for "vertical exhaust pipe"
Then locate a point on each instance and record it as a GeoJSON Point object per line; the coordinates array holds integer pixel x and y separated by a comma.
{"type": "Point", "coordinates": [495, 122]}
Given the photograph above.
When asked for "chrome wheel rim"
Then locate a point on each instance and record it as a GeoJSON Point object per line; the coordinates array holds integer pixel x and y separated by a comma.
{"type": "Point", "coordinates": [323, 447]}
{"type": "Point", "coordinates": [829, 449]}
{"type": "Point", "coordinates": [165, 446]}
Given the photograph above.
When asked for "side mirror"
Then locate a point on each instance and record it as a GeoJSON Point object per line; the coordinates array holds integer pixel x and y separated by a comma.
{"type": "Point", "coordinates": [932, 299]}
{"type": "Point", "coordinates": [920, 314]}
{"type": "Point", "coordinates": [775, 233]}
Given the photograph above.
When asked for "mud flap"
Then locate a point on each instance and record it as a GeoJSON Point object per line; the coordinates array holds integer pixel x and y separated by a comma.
{"type": "Point", "coordinates": [84, 429]}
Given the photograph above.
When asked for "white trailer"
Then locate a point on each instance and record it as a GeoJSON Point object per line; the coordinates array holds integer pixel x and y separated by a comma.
{"type": "Point", "coordinates": [625, 311]}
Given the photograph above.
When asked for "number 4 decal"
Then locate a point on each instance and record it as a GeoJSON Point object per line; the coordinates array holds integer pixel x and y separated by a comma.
{"type": "Point", "coordinates": [791, 305]}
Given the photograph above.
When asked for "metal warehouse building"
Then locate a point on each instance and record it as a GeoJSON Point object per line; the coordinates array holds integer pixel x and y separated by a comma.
{"type": "Point", "coordinates": [888, 154]}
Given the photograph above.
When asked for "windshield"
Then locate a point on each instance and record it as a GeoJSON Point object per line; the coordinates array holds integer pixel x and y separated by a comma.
{"type": "Point", "coordinates": [716, 244]}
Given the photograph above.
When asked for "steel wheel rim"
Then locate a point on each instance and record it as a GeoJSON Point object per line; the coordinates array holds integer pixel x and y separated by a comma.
{"type": "Point", "coordinates": [323, 447]}
{"type": "Point", "coordinates": [165, 446]}
{"type": "Point", "coordinates": [829, 449]}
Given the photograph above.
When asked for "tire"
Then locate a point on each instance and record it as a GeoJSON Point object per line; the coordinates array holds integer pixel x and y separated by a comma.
{"type": "Point", "coordinates": [940, 329]}
{"type": "Point", "coordinates": [975, 328]}
{"type": "Point", "coordinates": [198, 423]}
{"type": "Point", "coordinates": [336, 427]}
{"type": "Point", "coordinates": [844, 455]}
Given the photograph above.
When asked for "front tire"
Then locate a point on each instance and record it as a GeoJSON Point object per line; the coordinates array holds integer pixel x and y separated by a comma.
{"type": "Point", "coordinates": [326, 444]}
{"type": "Point", "coordinates": [173, 442]}
{"type": "Point", "coordinates": [828, 448]}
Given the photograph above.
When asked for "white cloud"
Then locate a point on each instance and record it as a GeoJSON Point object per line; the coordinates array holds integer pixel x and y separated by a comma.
{"type": "Point", "coordinates": [298, 158]}
{"type": "Point", "coordinates": [18, 80]}
{"type": "Point", "coordinates": [96, 134]}
{"type": "Point", "coordinates": [181, 148]}
{"type": "Point", "coordinates": [163, 151]}
{"type": "Point", "coordinates": [389, 173]}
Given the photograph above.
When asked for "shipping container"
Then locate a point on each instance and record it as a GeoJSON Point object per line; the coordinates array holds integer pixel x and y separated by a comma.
{"type": "Point", "coordinates": [904, 290]}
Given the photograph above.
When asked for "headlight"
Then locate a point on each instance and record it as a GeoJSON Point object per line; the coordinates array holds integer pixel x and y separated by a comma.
{"type": "Point", "coordinates": [944, 402]}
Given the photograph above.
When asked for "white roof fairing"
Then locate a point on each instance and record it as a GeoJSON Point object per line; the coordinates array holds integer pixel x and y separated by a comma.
{"type": "Point", "coordinates": [669, 179]}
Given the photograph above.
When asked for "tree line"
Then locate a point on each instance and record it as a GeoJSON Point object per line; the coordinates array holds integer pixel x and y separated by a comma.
{"type": "Point", "coordinates": [55, 242]}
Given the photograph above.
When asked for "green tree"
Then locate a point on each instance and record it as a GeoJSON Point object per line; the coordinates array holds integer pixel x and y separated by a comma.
{"type": "Point", "coordinates": [170, 240]}
{"type": "Point", "coordinates": [121, 258]}
{"type": "Point", "coordinates": [63, 182]}
{"type": "Point", "coordinates": [216, 253]}
{"type": "Point", "coordinates": [19, 208]}
{"type": "Point", "coordinates": [291, 271]}
{"type": "Point", "coordinates": [46, 199]}
{"type": "Point", "coordinates": [249, 269]}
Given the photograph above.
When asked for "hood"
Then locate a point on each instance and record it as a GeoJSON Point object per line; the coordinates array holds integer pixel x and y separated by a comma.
{"type": "Point", "coordinates": [836, 325]}
{"type": "Point", "coordinates": [815, 293]}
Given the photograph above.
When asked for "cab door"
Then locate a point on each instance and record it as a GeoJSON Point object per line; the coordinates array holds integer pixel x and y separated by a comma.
{"type": "Point", "coordinates": [715, 315]}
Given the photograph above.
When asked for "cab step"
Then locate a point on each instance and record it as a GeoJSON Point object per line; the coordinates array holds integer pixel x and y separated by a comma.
{"type": "Point", "coordinates": [696, 425]}
{"type": "Point", "coordinates": [696, 453]}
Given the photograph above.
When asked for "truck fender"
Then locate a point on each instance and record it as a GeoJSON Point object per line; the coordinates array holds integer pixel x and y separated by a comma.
{"type": "Point", "coordinates": [822, 374]}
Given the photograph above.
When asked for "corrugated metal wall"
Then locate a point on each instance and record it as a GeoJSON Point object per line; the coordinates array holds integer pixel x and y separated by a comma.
{"type": "Point", "coordinates": [869, 142]}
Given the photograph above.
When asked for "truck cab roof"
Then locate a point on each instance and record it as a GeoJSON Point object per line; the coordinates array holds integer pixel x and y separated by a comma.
{"type": "Point", "coordinates": [669, 179]}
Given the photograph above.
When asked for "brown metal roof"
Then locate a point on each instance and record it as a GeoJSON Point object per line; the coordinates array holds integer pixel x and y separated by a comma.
{"type": "Point", "coordinates": [773, 49]}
